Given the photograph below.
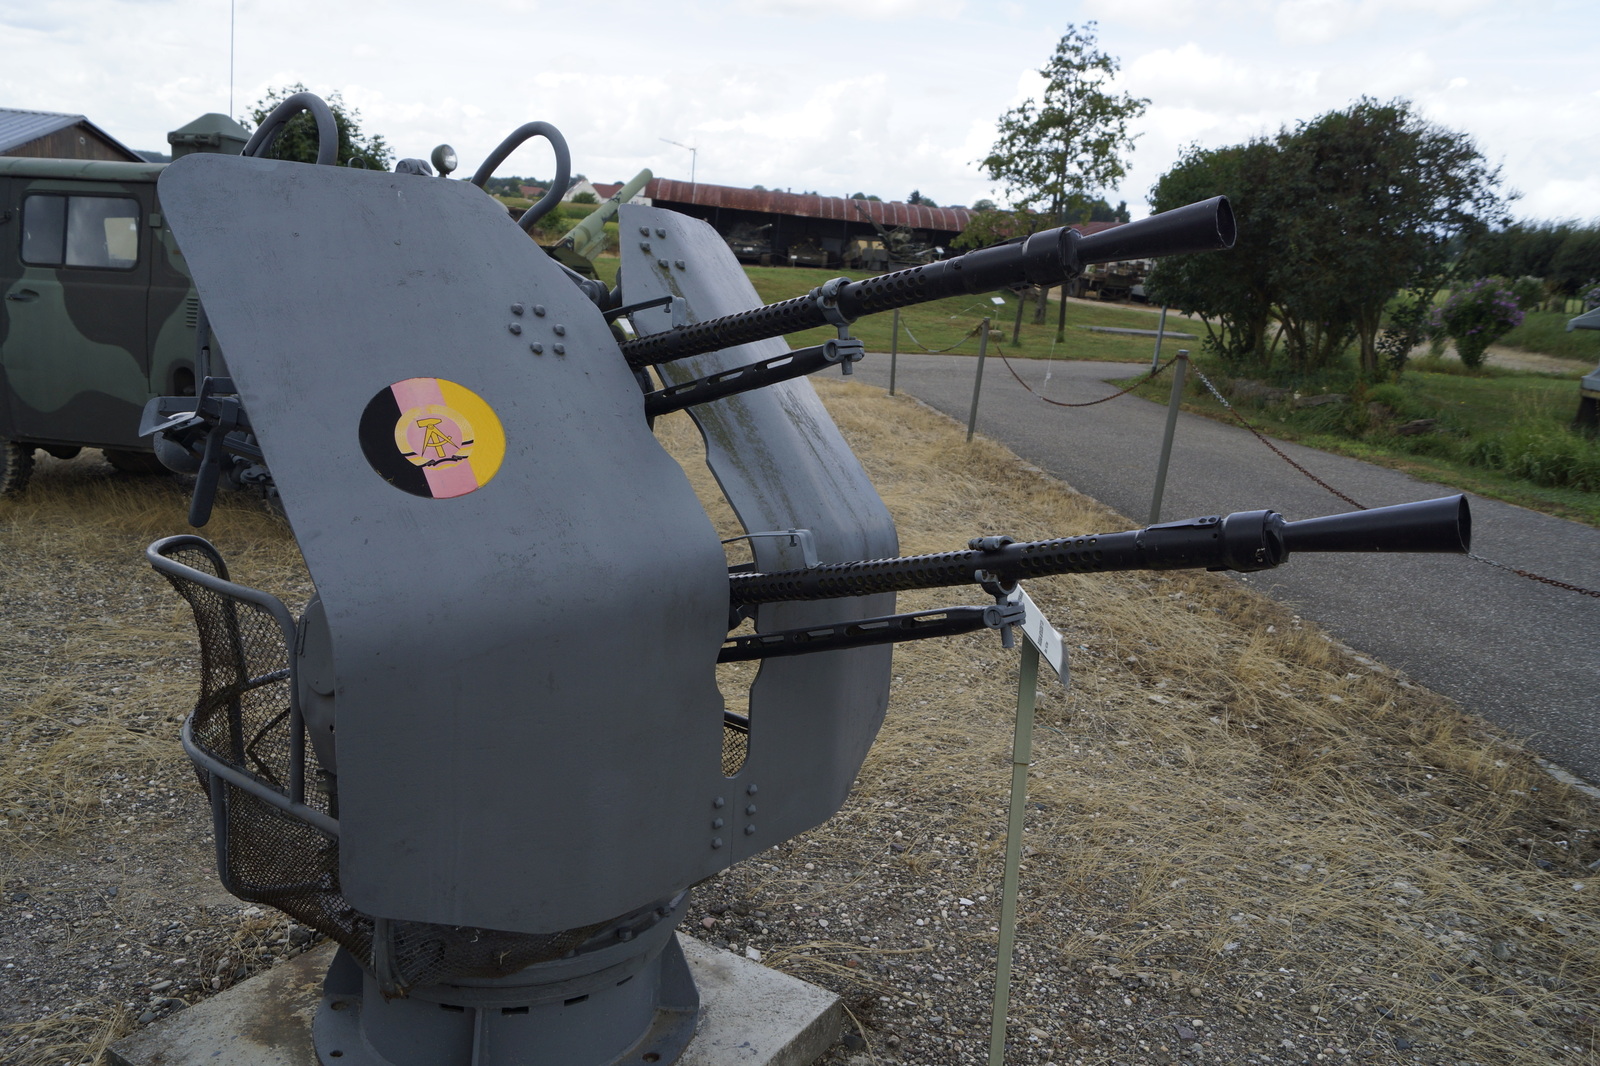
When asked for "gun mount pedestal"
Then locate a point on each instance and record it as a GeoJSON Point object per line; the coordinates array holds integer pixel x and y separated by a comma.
{"type": "Point", "coordinates": [622, 1003]}
{"type": "Point", "coordinates": [749, 1016]}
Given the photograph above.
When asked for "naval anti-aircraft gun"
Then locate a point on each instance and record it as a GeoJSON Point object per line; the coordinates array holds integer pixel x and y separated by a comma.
{"type": "Point", "coordinates": [490, 757]}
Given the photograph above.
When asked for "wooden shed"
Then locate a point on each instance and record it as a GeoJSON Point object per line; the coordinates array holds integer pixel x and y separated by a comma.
{"type": "Point", "coordinates": [52, 135]}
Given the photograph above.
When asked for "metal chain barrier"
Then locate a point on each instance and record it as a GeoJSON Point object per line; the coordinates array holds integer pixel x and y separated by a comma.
{"type": "Point", "coordinates": [1536, 577]}
{"type": "Point", "coordinates": [1362, 507]}
{"type": "Point", "coordinates": [1275, 449]}
{"type": "Point", "coordinates": [1150, 376]}
{"type": "Point", "coordinates": [973, 332]}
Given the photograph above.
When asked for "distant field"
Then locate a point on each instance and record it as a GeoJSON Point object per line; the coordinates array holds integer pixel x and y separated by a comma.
{"type": "Point", "coordinates": [1546, 331]}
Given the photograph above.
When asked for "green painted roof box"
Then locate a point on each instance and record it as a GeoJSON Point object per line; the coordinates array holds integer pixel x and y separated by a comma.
{"type": "Point", "coordinates": [211, 132]}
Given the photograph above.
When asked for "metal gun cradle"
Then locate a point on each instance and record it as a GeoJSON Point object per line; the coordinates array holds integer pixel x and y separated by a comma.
{"type": "Point", "coordinates": [490, 757]}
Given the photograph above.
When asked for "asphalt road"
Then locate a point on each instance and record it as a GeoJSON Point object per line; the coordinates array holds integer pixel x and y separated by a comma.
{"type": "Point", "coordinates": [1520, 653]}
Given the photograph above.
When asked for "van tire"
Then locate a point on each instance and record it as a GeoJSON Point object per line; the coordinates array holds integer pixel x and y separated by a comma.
{"type": "Point", "coordinates": [142, 464]}
{"type": "Point", "coordinates": [16, 466]}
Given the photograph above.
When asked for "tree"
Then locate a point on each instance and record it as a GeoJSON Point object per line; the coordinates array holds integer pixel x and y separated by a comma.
{"type": "Point", "coordinates": [1071, 143]}
{"type": "Point", "coordinates": [1336, 218]}
{"type": "Point", "coordinates": [988, 227]}
{"type": "Point", "coordinates": [1232, 290]}
{"type": "Point", "coordinates": [1371, 200]}
{"type": "Point", "coordinates": [1575, 267]}
{"type": "Point", "coordinates": [916, 199]}
{"type": "Point", "coordinates": [1063, 150]}
{"type": "Point", "coordinates": [298, 141]}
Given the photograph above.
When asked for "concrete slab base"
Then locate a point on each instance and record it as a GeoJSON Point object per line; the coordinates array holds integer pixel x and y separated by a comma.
{"type": "Point", "coordinates": [749, 1016]}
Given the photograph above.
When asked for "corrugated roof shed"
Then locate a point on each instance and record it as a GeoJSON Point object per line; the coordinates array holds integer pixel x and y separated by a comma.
{"type": "Point", "coordinates": [888, 215]}
{"type": "Point", "coordinates": [19, 127]}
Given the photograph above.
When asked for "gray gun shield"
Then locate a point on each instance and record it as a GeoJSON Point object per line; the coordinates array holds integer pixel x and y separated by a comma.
{"type": "Point", "coordinates": [528, 725]}
{"type": "Point", "coordinates": [782, 464]}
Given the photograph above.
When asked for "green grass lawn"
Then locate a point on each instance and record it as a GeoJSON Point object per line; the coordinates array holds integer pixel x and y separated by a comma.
{"type": "Point", "coordinates": [1503, 435]}
{"type": "Point", "coordinates": [1546, 331]}
{"type": "Point", "coordinates": [954, 322]}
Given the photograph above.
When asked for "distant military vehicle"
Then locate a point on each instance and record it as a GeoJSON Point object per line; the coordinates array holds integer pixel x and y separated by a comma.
{"type": "Point", "coordinates": [806, 252]}
{"type": "Point", "coordinates": [1114, 281]}
{"type": "Point", "coordinates": [900, 246]}
{"type": "Point", "coordinates": [751, 243]}
{"type": "Point", "coordinates": [99, 314]}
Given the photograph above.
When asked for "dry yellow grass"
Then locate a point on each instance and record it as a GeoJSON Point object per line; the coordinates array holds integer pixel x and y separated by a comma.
{"type": "Point", "coordinates": [1230, 814]}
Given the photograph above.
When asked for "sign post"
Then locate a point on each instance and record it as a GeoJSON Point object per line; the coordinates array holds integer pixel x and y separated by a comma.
{"type": "Point", "coordinates": [1039, 640]}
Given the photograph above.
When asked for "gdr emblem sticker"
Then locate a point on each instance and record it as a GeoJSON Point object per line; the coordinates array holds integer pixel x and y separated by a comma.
{"type": "Point", "coordinates": [432, 437]}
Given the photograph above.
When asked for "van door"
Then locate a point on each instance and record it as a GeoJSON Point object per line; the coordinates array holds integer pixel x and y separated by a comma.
{"type": "Point", "coordinates": [10, 269]}
{"type": "Point", "coordinates": [75, 350]}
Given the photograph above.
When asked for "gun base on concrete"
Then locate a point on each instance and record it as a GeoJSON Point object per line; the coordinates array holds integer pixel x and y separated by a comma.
{"type": "Point", "coordinates": [749, 1015]}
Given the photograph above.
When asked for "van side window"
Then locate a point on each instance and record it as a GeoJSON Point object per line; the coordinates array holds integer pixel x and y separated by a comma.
{"type": "Point", "coordinates": [80, 231]}
{"type": "Point", "coordinates": [44, 230]}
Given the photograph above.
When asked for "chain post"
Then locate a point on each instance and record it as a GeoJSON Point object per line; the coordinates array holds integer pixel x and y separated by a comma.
{"type": "Point", "coordinates": [894, 350]}
{"type": "Point", "coordinates": [977, 382]}
{"type": "Point", "coordinates": [1166, 437]}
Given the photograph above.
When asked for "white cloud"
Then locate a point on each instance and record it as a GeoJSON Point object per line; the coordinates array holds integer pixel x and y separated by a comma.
{"type": "Point", "coordinates": [876, 10]}
{"type": "Point", "coordinates": [881, 96]}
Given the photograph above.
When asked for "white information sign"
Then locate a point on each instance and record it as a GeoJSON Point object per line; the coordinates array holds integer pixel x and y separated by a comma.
{"type": "Point", "coordinates": [1038, 631]}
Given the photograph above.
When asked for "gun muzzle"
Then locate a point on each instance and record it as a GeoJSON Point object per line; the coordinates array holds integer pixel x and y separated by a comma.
{"type": "Point", "coordinates": [1203, 227]}
{"type": "Point", "coordinates": [1442, 525]}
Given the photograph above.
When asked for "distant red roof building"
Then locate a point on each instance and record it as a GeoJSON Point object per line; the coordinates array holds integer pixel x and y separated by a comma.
{"type": "Point", "coordinates": [951, 220]}
{"type": "Point", "coordinates": [782, 222]}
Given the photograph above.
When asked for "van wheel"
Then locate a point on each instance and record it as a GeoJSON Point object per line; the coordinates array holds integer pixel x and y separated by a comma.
{"type": "Point", "coordinates": [139, 463]}
{"type": "Point", "coordinates": [16, 465]}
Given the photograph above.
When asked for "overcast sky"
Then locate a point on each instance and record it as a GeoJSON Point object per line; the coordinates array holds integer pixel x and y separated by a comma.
{"type": "Point", "coordinates": [837, 96]}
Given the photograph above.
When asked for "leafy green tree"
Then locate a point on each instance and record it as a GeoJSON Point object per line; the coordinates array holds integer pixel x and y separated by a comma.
{"type": "Point", "coordinates": [1575, 267]}
{"type": "Point", "coordinates": [298, 141]}
{"type": "Point", "coordinates": [1232, 291]}
{"type": "Point", "coordinates": [1371, 201]}
{"type": "Point", "coordinates": [1071, 142]}
{"type": "Point", "coordinates": [996, 227]}
{"type": "Point", "coordinates": [1060, 151]}
{"type": "Point", "coordinates": [984, 205]}
{"type": "Point", "coordinates": [1336, 217]}
{"type": "Point", "coordinates": [916, 199]}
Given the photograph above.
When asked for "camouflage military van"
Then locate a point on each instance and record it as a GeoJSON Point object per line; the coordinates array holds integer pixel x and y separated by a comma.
{"type": "Point", "coordinates": [98, 312]}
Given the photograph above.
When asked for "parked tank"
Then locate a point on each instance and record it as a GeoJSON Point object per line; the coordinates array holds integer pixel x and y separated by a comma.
{"type": "Point", "coordinates": [1114, 281]}
{"type": "Point", "coordinates": [808, 253]}
{"type": "Point", "coordinates": [751, 243]}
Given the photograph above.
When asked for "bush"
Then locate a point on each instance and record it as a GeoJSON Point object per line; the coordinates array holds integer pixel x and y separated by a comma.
{"type": "Point", "coordinates": [1432, 445]}
{"type": "Point", "coordinates": [1553, 458]}
{"type": "Point", "coordinates": [584, 198]}
{"type": "Point", "coordinates": [1477, 316]}
{"type": "Point", "coordinates": [1529, 292]}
